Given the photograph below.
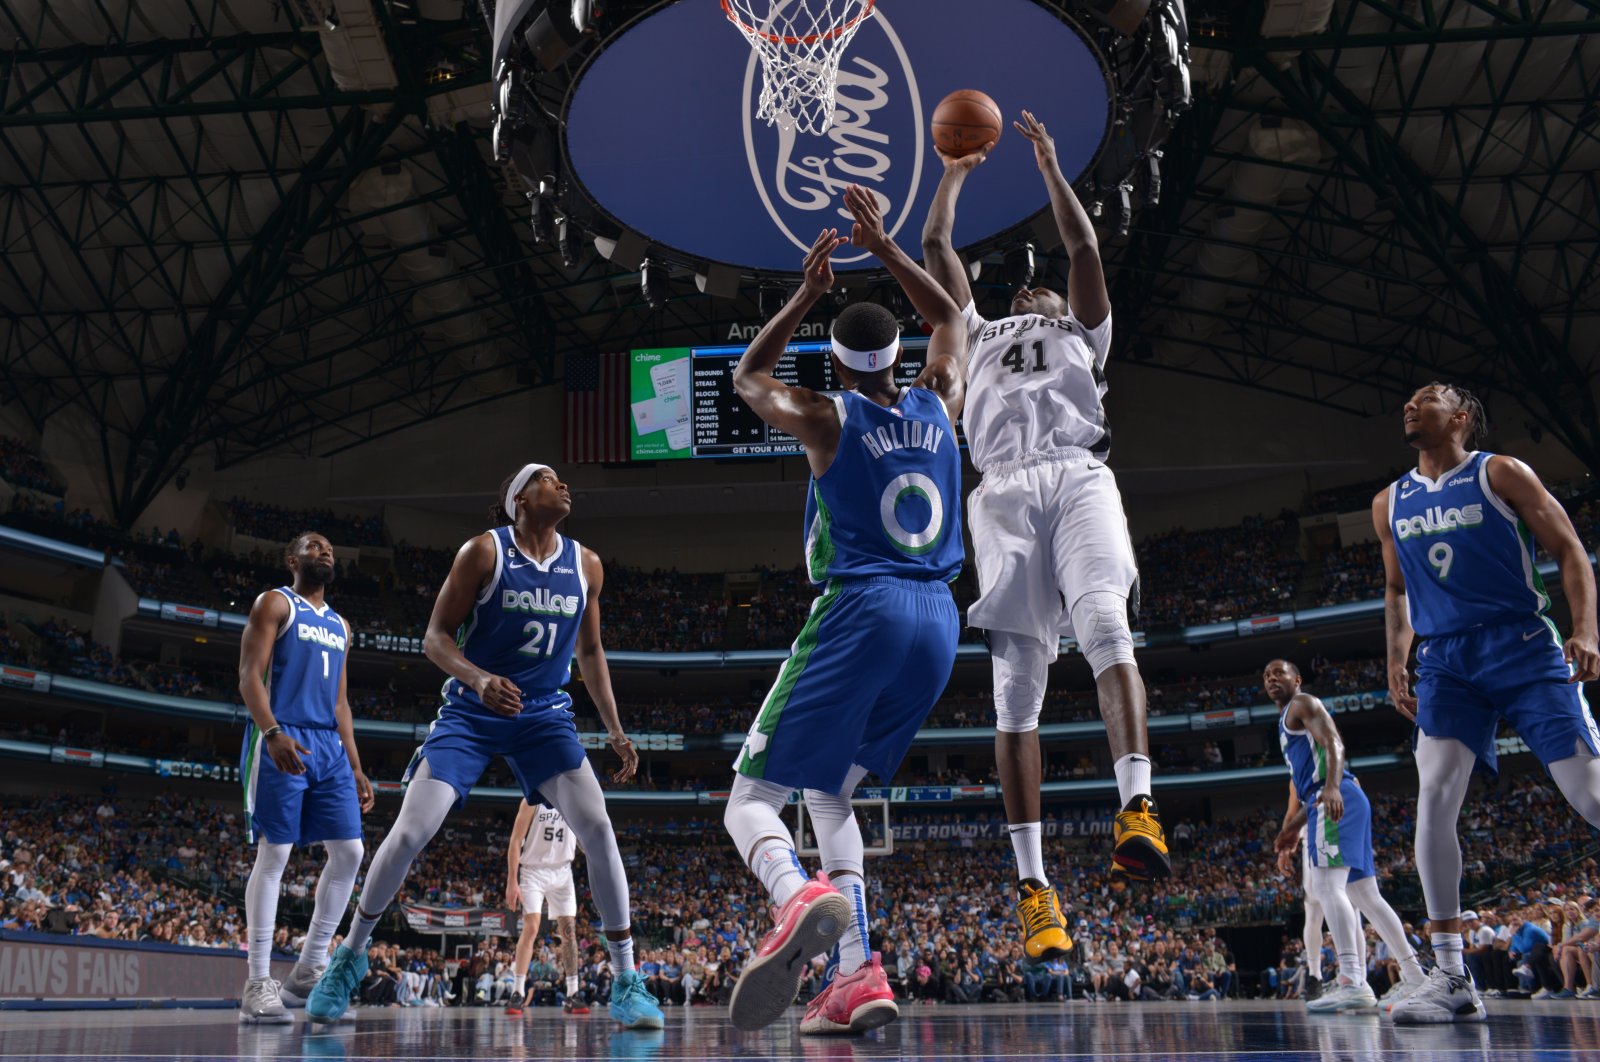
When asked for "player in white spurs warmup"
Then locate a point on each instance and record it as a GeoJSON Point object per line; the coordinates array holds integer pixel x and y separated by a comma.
{"type": "Point", "coordinates": [539, 872]}
{"type": "Point", "coordinates": [1048, 531]}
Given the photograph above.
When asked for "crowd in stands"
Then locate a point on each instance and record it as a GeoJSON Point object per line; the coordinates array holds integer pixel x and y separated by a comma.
{"type": "Point", "coordinates": [280, 524]}
{"type": "Point", "coordinates": [1226, 573]}
{"type": "Point", "coordinates": [21, 466]}
{"type": "Point", "coordinates": [173, 869]}
{"type": "Point", "coordinates": [1352, 573]}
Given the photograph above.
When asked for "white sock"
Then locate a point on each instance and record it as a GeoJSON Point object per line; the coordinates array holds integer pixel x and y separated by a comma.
{"type": "Point", "coordinates": [853, 945]}
{"type": "Point", "coordinates": [777, 864]}
{"type": "Point", "coordinates": [1447, 951]}
{"type": "Point", "coordinates": [361, 927]}
{"type": "Point", "coordinates": [1133, 776]}
{"type": "Point", "coordinates": [621, 955]}
{"type": "Point", "coordinates": [334, 885]}
{"type": "Point", "coordinates": [572, 985]}
{"type": "Point", "coordinates": [261, 905]}
{"type": "Point", "coordinates": [1027, 840]}
{"type": "Point", "coordinates": [522, 987]}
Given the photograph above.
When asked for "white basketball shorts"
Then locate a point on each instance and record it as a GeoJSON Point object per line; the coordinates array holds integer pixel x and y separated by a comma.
{"type": "Point", "coordinates": [553, 884]}
{"type": "Point", "coordinates": [1046, 530]}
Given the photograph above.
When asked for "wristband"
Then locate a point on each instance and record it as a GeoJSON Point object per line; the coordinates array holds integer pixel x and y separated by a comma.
{"type": "Point", "coordinates": [270, 731]}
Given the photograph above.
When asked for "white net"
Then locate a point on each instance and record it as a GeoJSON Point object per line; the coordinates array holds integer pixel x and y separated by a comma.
{"type": "Point", "coordinates": [800, 44]}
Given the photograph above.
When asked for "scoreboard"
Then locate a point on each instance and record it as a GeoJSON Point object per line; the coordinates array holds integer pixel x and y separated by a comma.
{"type": "Point", "coordinates": [683, 403]}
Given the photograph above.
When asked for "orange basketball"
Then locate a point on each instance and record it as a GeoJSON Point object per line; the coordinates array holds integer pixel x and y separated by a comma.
{"type": "Point", "coordinates": [964, 121]}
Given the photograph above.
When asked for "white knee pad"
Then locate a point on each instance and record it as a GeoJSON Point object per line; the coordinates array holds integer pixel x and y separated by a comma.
{"type": "Point", "coordinates": [753, 812]}
{"type": "Point", "coordinates": [1021, 665]}
{"type": "Point", "coordinates": [1100, 624]}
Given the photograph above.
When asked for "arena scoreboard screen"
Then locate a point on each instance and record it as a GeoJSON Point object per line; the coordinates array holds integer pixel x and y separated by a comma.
{"type": "Point", "coordinates": [682, 401]}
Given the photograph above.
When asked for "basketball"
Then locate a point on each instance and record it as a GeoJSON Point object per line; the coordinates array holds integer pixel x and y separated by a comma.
{"type": "Point", "coordinates": [964, 121]}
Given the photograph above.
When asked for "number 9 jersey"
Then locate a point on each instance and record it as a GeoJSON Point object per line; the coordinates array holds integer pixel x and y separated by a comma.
{"type": "Point", "coordinates": [1467, 558]}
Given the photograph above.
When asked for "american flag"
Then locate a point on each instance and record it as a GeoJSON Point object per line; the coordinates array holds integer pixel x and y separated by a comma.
{"type": "Point", "coordinates": [596, 403]}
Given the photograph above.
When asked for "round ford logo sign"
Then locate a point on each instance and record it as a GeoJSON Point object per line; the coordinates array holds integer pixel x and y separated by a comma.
{"type": "Point", "coordinates": [661, 130]}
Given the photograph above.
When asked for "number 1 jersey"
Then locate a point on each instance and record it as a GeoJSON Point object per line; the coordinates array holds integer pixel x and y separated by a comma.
{"type": "Point", "coordinates": [525, 624]}
{"type": "Point", "coordinates": [1467, 558]}
{"type": "Point", "coordinates": [1035, 383]}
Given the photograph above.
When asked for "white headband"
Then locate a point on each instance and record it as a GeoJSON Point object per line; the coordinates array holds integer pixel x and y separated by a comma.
{"type": "Point", "coordinates": [868, 360]}
{"type": "Point", "coordinates": [519, 481]}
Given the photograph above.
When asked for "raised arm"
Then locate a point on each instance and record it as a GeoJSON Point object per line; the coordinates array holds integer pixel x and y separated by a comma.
{"type": "Point", "coordinates": [597, 673]}
{"type": "Point", "coordinates": [1552, 528]}
{"type": "Point", "coordinates": [938, 255]}
{"type": "Point", "coordinates": [1398, 634]}
{"type": "Point", "coordinates": [942, 374]}
{"type": "Point", "coordinates": [800, 411]}
{"type": "Point", "coordinates": [1086, 281]}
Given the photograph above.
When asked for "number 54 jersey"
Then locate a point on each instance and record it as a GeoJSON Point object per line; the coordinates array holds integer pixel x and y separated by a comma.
{"type": "Point", "coordinates": [1467, 558]}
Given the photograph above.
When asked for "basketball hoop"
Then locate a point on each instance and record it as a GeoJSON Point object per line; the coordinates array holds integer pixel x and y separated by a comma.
{"type": "Point", "coordinates": [799, 43]}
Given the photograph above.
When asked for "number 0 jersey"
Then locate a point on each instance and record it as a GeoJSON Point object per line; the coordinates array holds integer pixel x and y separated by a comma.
{"type": "Point", "coordinates": [550, 842]}
{"type": "Point", "coordinates": [890, 504]}
{"type": "Point", "coordinates": [1467, 558]}
{"type": "Point", "coordinates": [525, 624]}
{"type": "Point", "coordinates": [1035, 383]}
{"type": "Point", "coordinates": [307, 663]}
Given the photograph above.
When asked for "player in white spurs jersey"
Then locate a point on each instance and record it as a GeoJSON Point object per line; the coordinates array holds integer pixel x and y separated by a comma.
{"type": "Point", "coordinates": [1048, 531]}
{"type": "Point", "coordinates": [539, 872]}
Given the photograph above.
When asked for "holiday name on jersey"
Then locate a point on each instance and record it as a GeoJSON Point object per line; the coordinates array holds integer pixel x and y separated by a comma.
{"type": "Point", "coordinates": [1013, 324]}
{"type": "Point", "coordinates": [1438, 520]}
{"type": "Point", "coordinates": [540, 602]}
{"type": "Point", "coordinates": [905, 435]}
{"type": "Point", "coordinates": [308, 632]}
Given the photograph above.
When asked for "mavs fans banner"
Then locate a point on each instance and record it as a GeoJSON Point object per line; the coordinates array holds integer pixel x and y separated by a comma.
{"type": "Point", "coordinates": [45, 970]}
{"type": "Point", "coordinates": [661, 132]}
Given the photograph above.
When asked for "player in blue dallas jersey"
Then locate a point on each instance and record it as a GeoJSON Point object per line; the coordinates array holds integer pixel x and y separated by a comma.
{"type": "Point", "coordinates": [519, 601]}
{"type": "Point", "coordinates": [1340, 881]}
{"type": "Point", "coordinates": [1458, 536]}
{"type": "Point", "coordinates": [882, 540]}
{"type": "Point", "coordinates": [302, 774]}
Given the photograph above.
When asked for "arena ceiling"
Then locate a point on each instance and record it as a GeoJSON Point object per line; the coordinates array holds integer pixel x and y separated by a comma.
{"type": "Point", "coordinates": [235, 228]}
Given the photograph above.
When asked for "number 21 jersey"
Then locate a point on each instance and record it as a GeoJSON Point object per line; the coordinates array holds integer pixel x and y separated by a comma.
{"type": "Point", "coordinates": [525, 624]}
{"type": "Point", "coordinates": [1035, 383]}
{"type": "Point", "coordinates": [1467, 558]}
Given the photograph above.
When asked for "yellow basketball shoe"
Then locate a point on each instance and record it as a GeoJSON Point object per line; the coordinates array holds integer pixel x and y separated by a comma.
{"type": "Point", "coordinates": [1141, 845]}
{"type": "Point", "coordinates": [1044, 933]}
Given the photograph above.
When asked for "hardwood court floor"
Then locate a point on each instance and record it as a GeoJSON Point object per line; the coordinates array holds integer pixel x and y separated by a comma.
{"type": "Point", "coordinates": [1517, 1031]}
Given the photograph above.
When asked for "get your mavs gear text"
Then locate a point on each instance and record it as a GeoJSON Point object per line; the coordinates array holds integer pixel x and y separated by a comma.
{"type": "Point", "coordinates": [303, 689]}
{"type": "Point", "coordinates": [883, 539]}
{"type": "Point", "coordinates": [1475, 597]}
{"type": "Point", "coordinates": [524, 627]}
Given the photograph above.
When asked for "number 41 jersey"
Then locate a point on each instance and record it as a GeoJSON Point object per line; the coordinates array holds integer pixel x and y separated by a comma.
{"type": "Point", "coordinates": [525, 624]}
{"type": "Point", "coordinates": [1467, 558]}
{"type": "Point", "coordinates": [1035, 384]}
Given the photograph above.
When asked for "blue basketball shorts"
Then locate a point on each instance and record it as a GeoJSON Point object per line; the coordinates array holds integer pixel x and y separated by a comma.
{"type": "Point", "coordinates": [1468, 682]}
{"type": "Point", "coordinates": [319, 805]}
{"type": "Point", "coordinates": [537, 745]}
{"type": "Point", "coordinates": [873, 657]}
{"type": "Point", "coordinates": [1346, 843]}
